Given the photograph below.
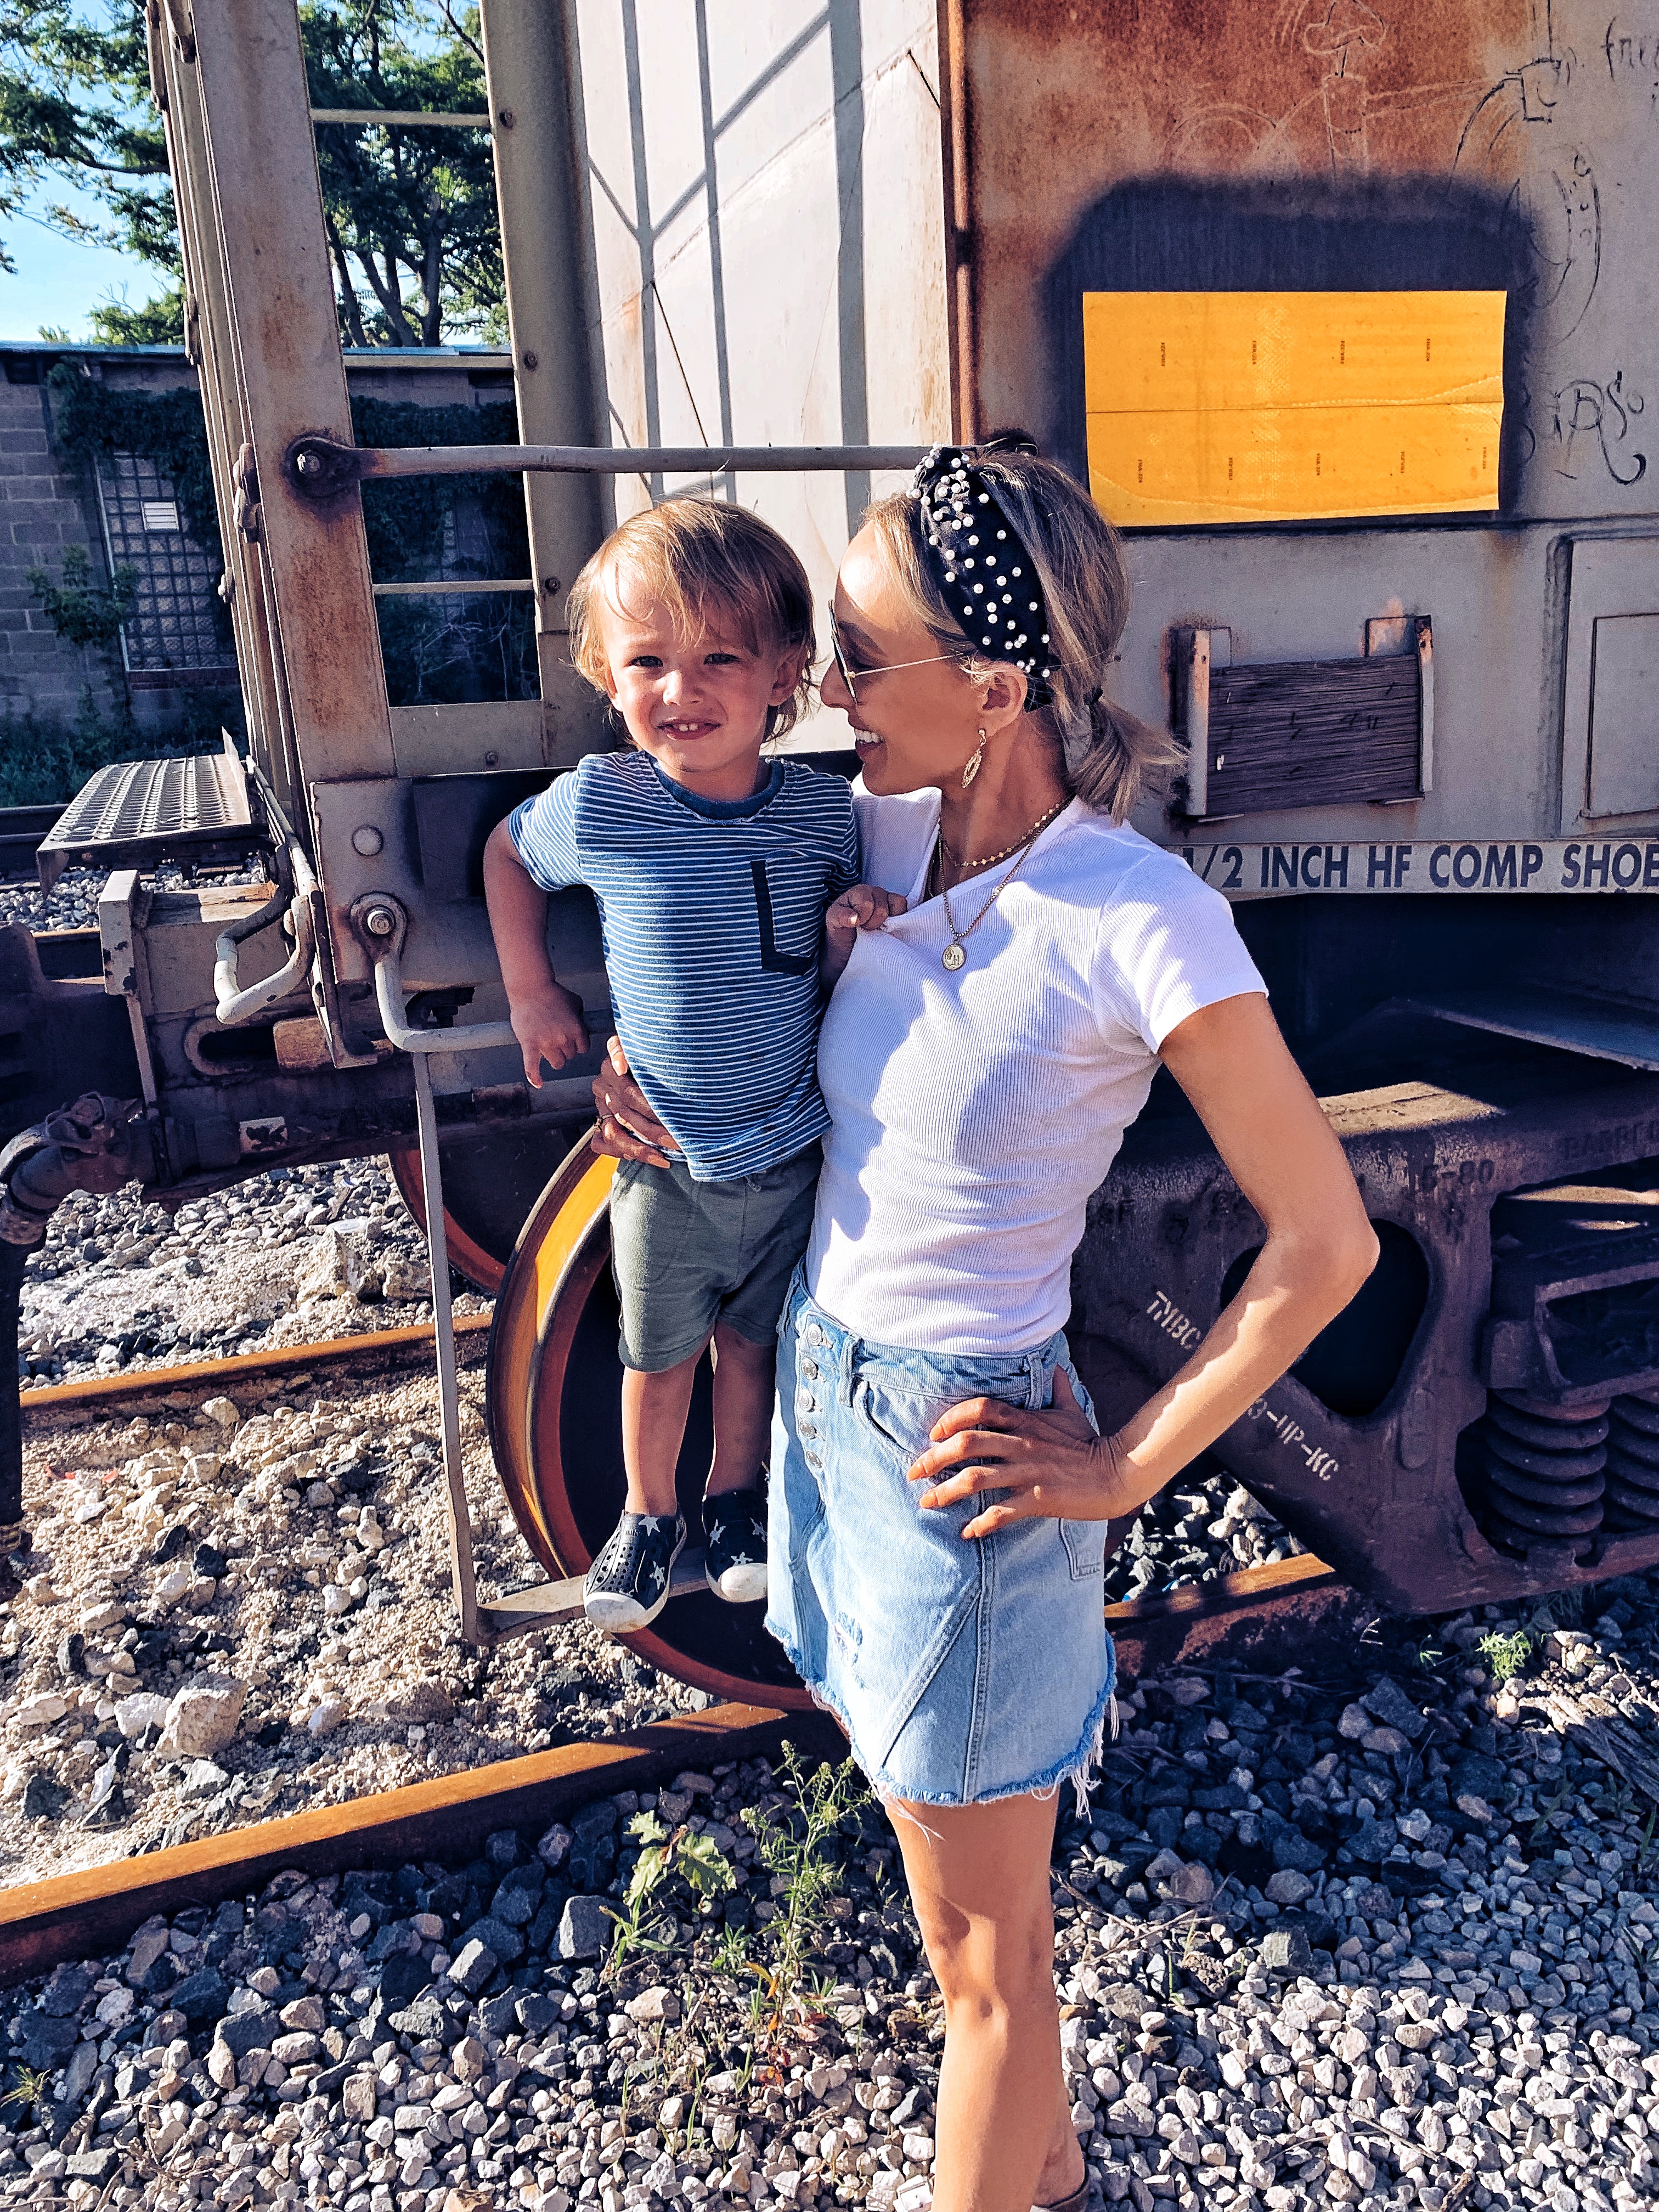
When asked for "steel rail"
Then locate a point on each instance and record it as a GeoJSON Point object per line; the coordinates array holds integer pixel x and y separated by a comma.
{"type": "Point", "coordinates": [1268, 1617]}
{"type": "Point", "coordinates": [379, 1347]}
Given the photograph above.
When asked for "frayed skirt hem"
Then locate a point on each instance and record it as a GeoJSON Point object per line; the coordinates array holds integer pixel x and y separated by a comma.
{"type": "Point", "coordinates": [1080, 1768]}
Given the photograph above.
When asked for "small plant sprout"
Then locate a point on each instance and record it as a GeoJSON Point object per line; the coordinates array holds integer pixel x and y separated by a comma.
{"type": "Point", "coordinates": [795, 1843]}
{"type": "Point", "coordinates": [645, 1923]}
{"type": "Point", "coordinates": [29, 2090]}
{"type": "Point", "coordinates": [1505, 1653]}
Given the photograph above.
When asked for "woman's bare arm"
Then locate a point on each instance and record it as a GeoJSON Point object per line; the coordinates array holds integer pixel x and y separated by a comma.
{"type": "Point", "coordinates": [628, 1128]}
{"type": "Point", "coordinates": [1235, 1067]}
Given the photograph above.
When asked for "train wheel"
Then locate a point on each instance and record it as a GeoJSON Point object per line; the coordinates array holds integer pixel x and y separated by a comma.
{"type": "Point", "coordinates": [554, 1420]}
{"type": "Point", "coordinates": [491, 1185]}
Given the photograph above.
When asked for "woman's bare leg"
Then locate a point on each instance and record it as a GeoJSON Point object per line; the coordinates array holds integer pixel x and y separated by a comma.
{"type": "Point", "coordinates": [979, 1879]}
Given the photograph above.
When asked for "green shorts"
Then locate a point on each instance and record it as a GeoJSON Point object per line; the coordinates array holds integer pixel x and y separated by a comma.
{"type": "Point", "coordinates": [686, 1255]}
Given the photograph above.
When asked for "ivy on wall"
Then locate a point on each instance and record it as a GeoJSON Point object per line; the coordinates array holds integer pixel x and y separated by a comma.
{"type": "Point", "coordinates": [474, 646]}
{"type": "Point", "coordinates": [91, 418]}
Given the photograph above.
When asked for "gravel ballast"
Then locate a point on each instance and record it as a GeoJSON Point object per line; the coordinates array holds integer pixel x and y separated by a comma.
{"type": "Point", "coordinates": [1385, 1939]}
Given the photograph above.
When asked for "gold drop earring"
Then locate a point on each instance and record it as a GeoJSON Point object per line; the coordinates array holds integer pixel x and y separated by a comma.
{"type": "Point", "coordinates": [974, 759]}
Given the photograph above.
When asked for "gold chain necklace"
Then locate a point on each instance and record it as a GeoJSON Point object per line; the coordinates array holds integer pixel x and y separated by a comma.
{"type": "Point", "coordinates": [953, 954]}
{"type": "Point", "coordinates": [990, 859]}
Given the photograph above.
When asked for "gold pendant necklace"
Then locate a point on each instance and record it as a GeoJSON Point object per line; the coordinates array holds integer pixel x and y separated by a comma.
{"type": "Point", "coordinates": [955, 952]}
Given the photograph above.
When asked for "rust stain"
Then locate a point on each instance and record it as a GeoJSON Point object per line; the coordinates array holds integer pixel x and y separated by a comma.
{"type": "Point", "coordinates": [1066, 102]}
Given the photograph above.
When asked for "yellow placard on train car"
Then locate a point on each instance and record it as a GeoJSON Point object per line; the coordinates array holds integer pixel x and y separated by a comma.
{"type": "Point", "coordinates": [1285, 407]}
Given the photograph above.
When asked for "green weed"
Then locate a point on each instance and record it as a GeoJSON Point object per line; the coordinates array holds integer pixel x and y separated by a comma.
{"type": "Point", "coordinates": [796, 1843]}
{"type": "Point", "coordinates": [1506, 1653]}
{"type": "Point", "coordinates": [645, 1923]}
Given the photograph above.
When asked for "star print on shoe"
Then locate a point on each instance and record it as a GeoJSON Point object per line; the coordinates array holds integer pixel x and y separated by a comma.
{"type": "Point", "coordinates": [628, 1585]}
{"type": "Point", "coordinates": [735, 1562]}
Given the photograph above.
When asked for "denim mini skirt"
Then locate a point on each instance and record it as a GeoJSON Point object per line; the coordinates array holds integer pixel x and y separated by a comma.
{"type": "Point", "coordinates": [963, 1671]}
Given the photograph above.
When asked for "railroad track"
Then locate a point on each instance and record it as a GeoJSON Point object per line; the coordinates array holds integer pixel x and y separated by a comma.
{"type": "Point", "coordinates": [21, 829]}
{"type": "Point", "coordinates": [1264, 1618]}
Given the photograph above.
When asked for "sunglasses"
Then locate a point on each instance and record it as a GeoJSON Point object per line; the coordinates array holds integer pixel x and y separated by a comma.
{"type": "Point", "coordinates": [850, 675]}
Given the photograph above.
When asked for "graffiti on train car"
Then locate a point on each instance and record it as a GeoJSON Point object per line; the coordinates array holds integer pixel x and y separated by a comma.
{"type": "Point", "coordinates": [1313, 144]}
{"type": "Point", "coordinates": [1579, 865]}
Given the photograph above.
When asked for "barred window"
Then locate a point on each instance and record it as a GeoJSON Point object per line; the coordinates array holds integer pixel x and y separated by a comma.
{"type": "Point", "coordinates": [177, 632]}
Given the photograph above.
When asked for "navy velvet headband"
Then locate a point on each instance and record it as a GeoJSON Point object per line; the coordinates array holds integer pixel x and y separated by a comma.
{"type": "Point", "coordinates": [984, 573]}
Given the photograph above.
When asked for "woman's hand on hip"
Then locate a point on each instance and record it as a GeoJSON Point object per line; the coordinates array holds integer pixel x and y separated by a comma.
{"type": "Point", "coordinates": [628, 1128]}
{"type": "Point", "coordinates": [1050, 1465]}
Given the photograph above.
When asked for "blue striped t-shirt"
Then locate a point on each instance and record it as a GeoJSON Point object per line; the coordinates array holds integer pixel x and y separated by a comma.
{"type": "Point", "coordinates": [713, 915]}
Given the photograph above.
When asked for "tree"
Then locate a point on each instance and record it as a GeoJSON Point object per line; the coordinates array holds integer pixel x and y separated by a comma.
{"type": "Point", "coordinates": [74, 107]}
{"type": "Point", "coordinates": [411, 212]}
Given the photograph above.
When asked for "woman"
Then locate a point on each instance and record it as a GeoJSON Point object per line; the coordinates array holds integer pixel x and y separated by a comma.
{"type": "Point", "coordinates": [939, 1494]}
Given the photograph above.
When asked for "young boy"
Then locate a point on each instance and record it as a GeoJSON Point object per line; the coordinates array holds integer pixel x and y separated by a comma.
{"type": "Point", "coordinates": [713, 870]}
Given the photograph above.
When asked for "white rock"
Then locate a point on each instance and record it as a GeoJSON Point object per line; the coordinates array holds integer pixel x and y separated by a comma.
{"type": "Point", "coordinates": [325, 1718]}
{"type": "Point", "coordinates": [203, 1466]}
{"type": "Point", "coordinates": [40, 1710]}
{"type": "Point", "coordinates": [336, 1601]}
{"type": "Point", "coordinates": [407, 1280]}
{"type": "Point", "coordinates": [1194, 1885]}
{"type": "Point", "coordinates": [203, 1779]}
{"type": "Point", "coordinates": [144, 1709]}
{"type": "Point", "coordinates": [1415, 1826]}
{"type": "Point", "coordinates": [1287, 1887]}
{"type": "Point", "coordinates": [223, 1411]}
{"type": "Point", "coordinates": [95, 1617]}
{"type": "Point", "coordinates": [203, 1717]}
{"type": "Point", "coordinates": [654, 2004]}
{"type": "Point", "coordinates": [1389, 1741]}
{"type": "Point", "coordinates": [1354, 1722]}
{"type": "Point", "coordinates": [337, 1267]}
{"type": "Point", "coordinates": [176, 1584]}
{"type": "Point", "coordinates": [553, 1845]}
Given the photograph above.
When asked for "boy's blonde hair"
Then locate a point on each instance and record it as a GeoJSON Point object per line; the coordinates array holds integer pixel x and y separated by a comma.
{"type": "Point", "coordinates": [713, 566]}
{"type": "Point", "coordinates": [1109, 756]}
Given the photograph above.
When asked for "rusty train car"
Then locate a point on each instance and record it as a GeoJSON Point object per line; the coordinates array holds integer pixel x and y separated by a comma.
{"type": "Point", "coordinates": [1344, 313]}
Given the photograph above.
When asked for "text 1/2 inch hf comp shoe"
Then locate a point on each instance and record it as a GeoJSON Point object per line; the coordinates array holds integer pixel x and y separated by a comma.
{"type": "Point", "coordinates": [735, 1561]}
{"type": "Point", "coordinates": [627, 1586]}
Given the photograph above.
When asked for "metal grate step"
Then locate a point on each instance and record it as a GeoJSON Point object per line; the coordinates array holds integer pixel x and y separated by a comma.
{"type": "Point", "coordinates": [134, 813]}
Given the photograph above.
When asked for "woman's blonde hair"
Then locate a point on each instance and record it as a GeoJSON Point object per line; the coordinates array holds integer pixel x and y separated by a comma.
{"type": "Point", "coordinates": [1109, 756]}
{"type": "Point", "coordinates": [713, 566]}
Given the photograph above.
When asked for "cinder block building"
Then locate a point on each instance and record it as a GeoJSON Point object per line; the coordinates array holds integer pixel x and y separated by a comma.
{"type": "Point", "coordinates": [123, 510]}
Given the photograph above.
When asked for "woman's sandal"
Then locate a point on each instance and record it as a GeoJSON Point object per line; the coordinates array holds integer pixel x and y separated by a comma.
{"type": "Point", "coordinates": [1074, 2203]}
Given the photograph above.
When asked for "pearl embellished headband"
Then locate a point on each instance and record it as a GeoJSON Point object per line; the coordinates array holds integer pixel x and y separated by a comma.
{"type": "Point", "coordinates": [984, 573]}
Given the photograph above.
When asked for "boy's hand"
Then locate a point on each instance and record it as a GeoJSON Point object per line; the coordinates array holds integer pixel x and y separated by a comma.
{"type": "Point", "coordinates": [550, 1027]}
{"type": "Point", "coordinates": [867, 906]}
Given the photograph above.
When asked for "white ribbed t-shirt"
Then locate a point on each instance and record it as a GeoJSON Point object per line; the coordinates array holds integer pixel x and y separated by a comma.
{"type": "Point", "coordinates": [973, 1113]}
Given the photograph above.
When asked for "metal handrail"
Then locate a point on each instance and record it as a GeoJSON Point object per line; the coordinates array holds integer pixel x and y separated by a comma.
{"type": "Point", "coordinates": [385, 923]}
{"type": "Point", "coordinates": [319, 467]}
{"type": "Point", "coordinates": [233, 1004]}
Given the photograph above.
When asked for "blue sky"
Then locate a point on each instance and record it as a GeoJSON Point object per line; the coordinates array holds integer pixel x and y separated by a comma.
{"type": "Point", "coordinates": [59, 282]}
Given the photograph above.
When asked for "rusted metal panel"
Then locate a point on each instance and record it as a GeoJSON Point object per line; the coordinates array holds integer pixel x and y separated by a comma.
{"type": "Point", "coordinates": [543, 210]}
{"type": "Point", "coordinates": [1230, 145]}
{"type": "Point", "coordinates": [268, 221]}
{"type": "Point", "coordinates": [208, 339]}
{"type": "Point", "coordinates": [1371, 1451]}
